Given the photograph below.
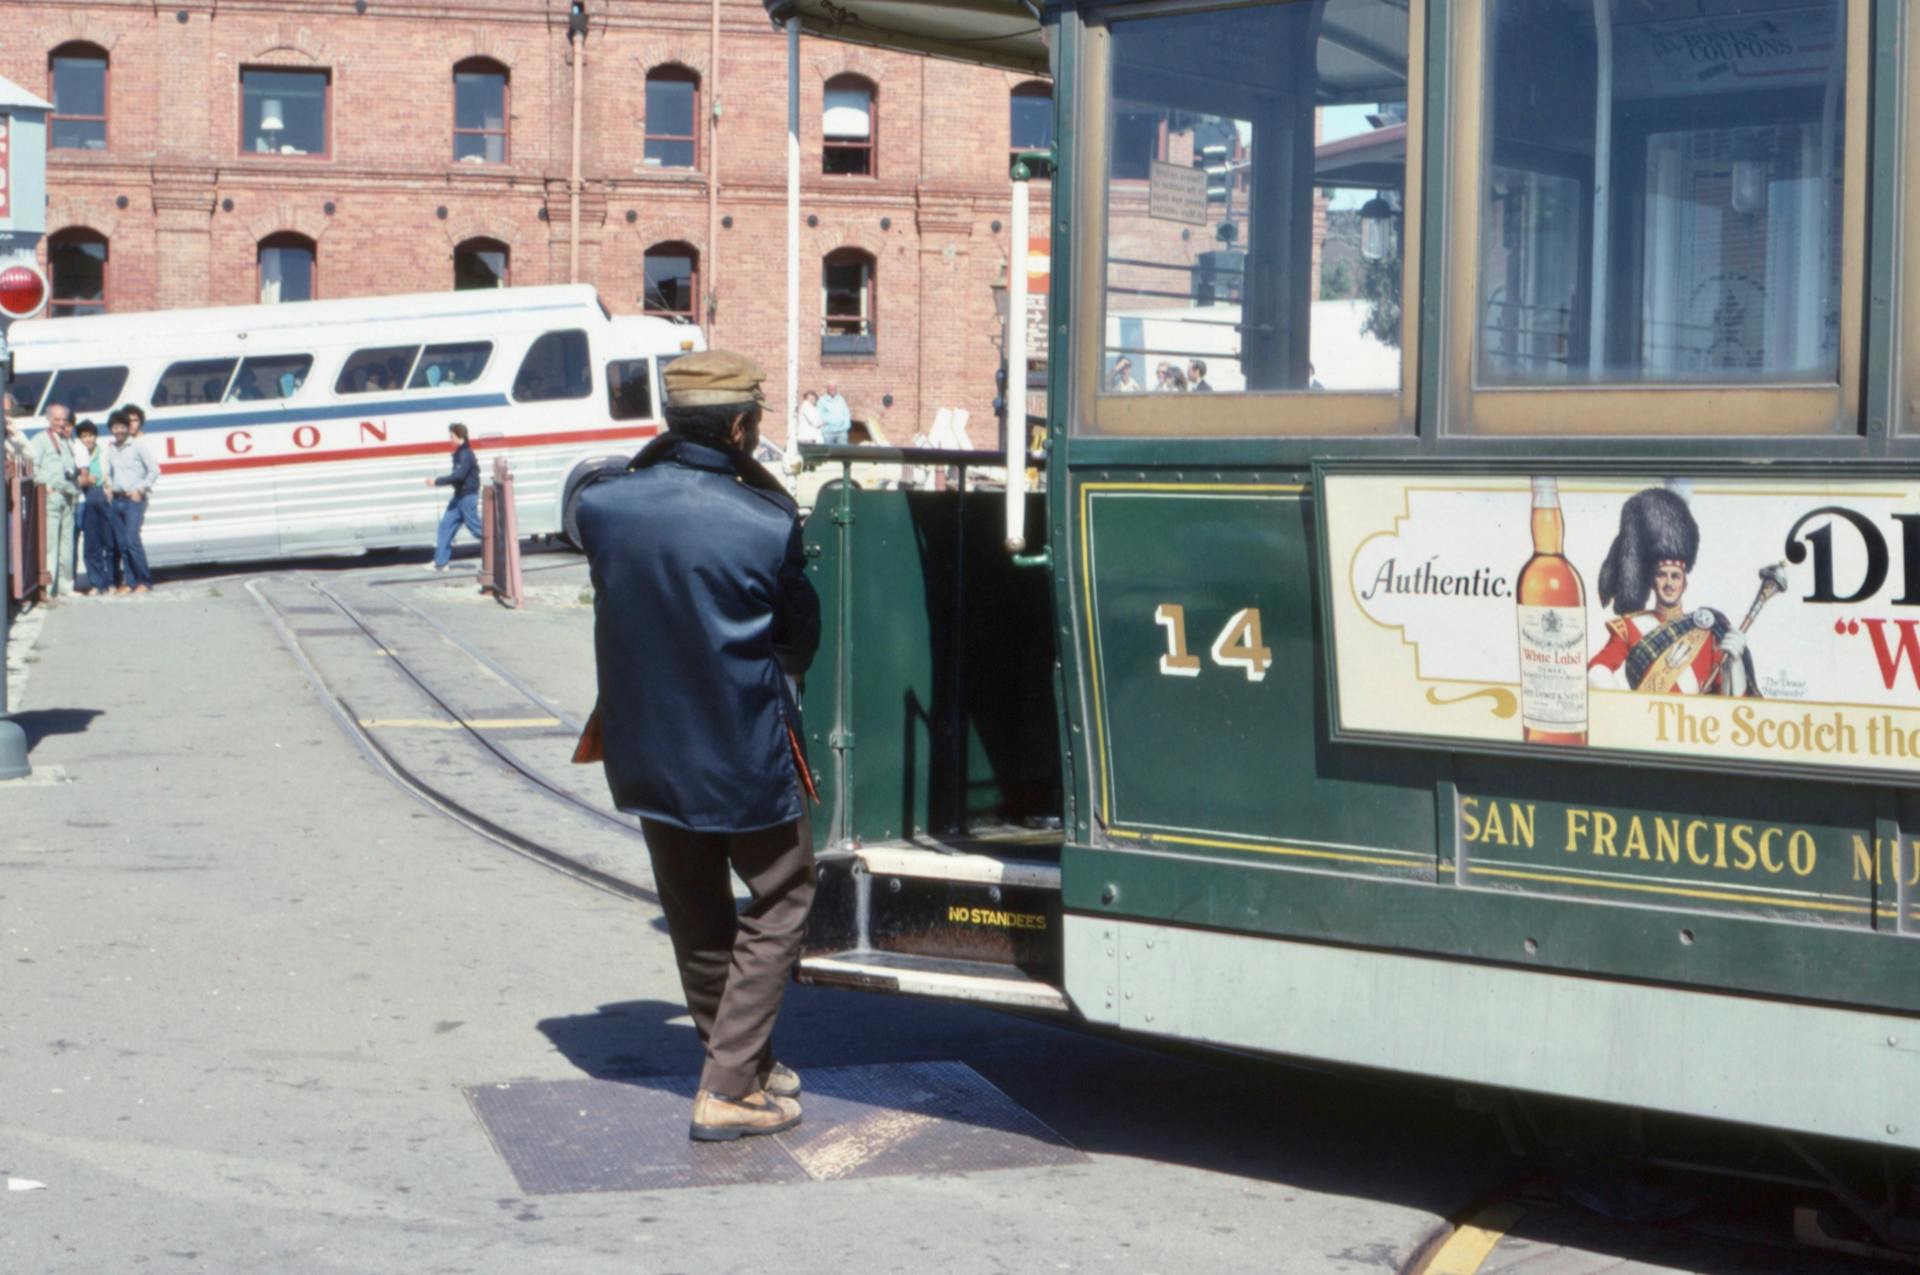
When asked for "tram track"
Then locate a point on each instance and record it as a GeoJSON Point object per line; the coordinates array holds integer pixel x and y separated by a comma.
{"type": "Point", "coordinates": [387, 704]}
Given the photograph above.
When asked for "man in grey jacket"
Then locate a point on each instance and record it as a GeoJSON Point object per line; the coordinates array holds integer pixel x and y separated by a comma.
{"type": "Point", "coordinates": [57, 473]}
{"type": "Point", "coordinates": [131, 473]}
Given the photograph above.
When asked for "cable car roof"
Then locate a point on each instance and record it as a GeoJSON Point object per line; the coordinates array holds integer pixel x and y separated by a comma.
{"type": "Point", "coordinates": [1004, 33]}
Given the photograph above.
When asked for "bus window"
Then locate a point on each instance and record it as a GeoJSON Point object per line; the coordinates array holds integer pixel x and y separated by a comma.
{"type": "Point", "coordinates": [88, 389]}
{"type": "Point", "coordinates": [1256, 217]}
{"type": "Point", "coordinates": [193, 382]}
{"type": "Point", "coordinates": [629, 391]}
{"type": "Point", "coordinates": [376, 370]}
{"type": "Point", "coordinates": [25, 391]}
{"type": "Point", "coordinates": [270, 377]}
{"type": "Point", "coordinates": [556, 367]}
{"type": "Point", "coordinates": [1661, 192]}
{"type": "Point", "coordinates": [458, 363]}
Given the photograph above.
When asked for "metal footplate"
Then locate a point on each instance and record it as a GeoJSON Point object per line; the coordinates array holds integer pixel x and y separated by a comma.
{"type": "Point", "coordinates": [920, 920]}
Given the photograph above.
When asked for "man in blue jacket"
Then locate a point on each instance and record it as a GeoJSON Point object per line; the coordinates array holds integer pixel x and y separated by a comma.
{"type": "Point", "coordinates": [463, 505]}
{"type": "Point", "coordinates": [702, 614]}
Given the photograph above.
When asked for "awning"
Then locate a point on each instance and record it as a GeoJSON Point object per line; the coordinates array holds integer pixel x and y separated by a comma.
{"type": "Point", "coordinates": [1377, 159]}
{"type": "Point", "coordinates": [1004, 33]}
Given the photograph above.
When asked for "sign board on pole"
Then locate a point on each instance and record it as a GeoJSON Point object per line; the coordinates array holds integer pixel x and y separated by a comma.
{"type": "Point", "coordinates": [1039, 273]}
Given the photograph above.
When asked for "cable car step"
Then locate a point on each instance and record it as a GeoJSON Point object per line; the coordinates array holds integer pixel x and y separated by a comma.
{"type": "Point", "coordinates": [985, 982]}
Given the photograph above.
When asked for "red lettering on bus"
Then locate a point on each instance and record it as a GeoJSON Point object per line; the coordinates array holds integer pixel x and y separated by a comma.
{"type": "Point", "coordinates": [173, 449]}
{"type": "Point", "coordinates": [235, 439]}
{"type": "Point", "coordinates": [307, 437]}
{"type": "Point", "coordinates": [377, 433]}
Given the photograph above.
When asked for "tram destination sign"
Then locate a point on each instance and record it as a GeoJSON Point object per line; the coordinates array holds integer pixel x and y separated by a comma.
{"type": "Point", "coordinates": [1709, 620]}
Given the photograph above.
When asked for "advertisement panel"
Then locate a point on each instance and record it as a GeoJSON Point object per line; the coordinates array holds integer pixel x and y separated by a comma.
{"type": "Point", "coordinates": [1752, 622]}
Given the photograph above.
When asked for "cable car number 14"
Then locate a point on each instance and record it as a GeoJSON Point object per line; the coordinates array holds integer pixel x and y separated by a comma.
{"type": "Point", "coordinates": [1238, 646]}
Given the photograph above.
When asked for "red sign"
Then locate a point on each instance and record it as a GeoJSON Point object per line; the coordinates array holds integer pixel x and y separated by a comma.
{"type": "Point", "coordinates": [23, 290]}
{"type": "Point", "coordinates": [6, 165]}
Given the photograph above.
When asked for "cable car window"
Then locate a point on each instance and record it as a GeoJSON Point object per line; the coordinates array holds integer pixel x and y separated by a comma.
{"type": "Point", "coordinates": [1662, 192]}
{"type": "Point", "coordinates": [1255, 198]}
{"type": "Point", "coordinates": [88, 389]}
{"type": "Point", "coordinates": [556, 367]}
{"type": "Point", "coordinates": [629, 390]}
{"type": "Point", "coordinates": [25, 390]}
{"type": "Point", "coordinates": [272, 376]}
{"type": "Point", "coordinates": [375, 370]}
{"type": "Point", "coordinates": [193, 382]}
{"type": "Point", "coordinates": [457, 363]}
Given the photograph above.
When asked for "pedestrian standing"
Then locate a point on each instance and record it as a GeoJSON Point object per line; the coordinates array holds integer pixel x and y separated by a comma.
{"type": "Point", "coordinates": [836, 418]}
{"type": "Point", "coordinates": [806, 430]}
{"type": "Point", "coordinates": [56, 473]}
{"type": "Point", "coordinates": [463, 505]}
{"type": "Point", "coordinates": [96, 511]}
{"type": "Point", "coordinates": [131, 472]}
{"type": "Point", "coordinates": [702, 613]}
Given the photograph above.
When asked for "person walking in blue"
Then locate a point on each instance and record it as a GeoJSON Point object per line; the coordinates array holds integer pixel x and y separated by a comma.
{"type": "Point", "coordinates": [836, 419]}
{"type": "Point", "coordinates": [463, 506]}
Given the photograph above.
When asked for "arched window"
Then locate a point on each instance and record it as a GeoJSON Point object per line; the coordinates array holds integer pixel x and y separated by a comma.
{"type": "Point", "coordinates": [77, 80]}
{"type": "Point", "coordinates": [673, 118]}
{"type": "Point", "coordinates": [289, 268]}
{"type": "Point", "coordinates": [77, 269]}
{"type": "Point", "coordinates": [847, 303]}
{"type": "Point", "coordinates": [1030, 116]}
{"type": "Point", "coordinates": [480, 263]}
{"type": "Point", "coordinates": [849, 127]}
{"type": "Point", "coordinates": [479, 112]}
{"type": "Point", "coordinates": [673, 281]}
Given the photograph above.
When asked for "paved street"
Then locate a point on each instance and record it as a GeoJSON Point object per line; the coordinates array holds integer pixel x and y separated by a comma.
{"type": "Point", "coordinates": [249, 977]}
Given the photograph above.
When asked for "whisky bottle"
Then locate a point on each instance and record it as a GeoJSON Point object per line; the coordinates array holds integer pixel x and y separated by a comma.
{"type": "Point", "coordinates": [1553, 630]}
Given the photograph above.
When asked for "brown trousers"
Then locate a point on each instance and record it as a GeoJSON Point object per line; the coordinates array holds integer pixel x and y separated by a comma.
{"type": "Point", "coordinates": [734, 964]}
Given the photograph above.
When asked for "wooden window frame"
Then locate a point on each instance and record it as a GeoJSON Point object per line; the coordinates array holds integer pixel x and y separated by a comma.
{"type": "Point", "coordinates": [1026, 88]}
{"type": "Point", "coordinates": [1693, 411]}
{"type": "Point", "coordinates": [1264, 414]}
{"type": "Point", "coordinates": [483, 66]}
{"type": "Point", "coordinates": [869, 318]}
{"type": "Point", "coordinates": [673, 73]}
{"type": "Point", "coordinates": [76, 49]}
{"type": "Point", "coordinates": [673, 247]}
{"type": "Point", "coordinates": [326, 109]}
{"type": "Point", "coordinates": [80, 234]}
{"type": "Point", "coordinates": [485, 243]}
{"type": "Point", "coordinates": [285, 239]}
{"type": "Point", "coordinates": [847, 79]}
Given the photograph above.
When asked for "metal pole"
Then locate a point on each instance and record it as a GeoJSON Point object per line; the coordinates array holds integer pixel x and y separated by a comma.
{"type": "Point", "coordinates": [793, 225]}
{"type": "Point", "coordinates": [13, 740]}
{"type": "Point", "coordinates": [577, 39]}
{"type": "Point", "coordinates": [1016, 399]}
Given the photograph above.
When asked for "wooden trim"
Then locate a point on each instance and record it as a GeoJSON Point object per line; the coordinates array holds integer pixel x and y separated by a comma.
{"type": "Point", "coordinates": [673, 248]}
{"type": "Point", "coordinates": [326, 108]}
{"type": "Point", "coordinates": [478, 244]}
{"type": "Point", "coordinates": [78, 235]}
{"type": "Point", "coordinates": [482, 65]}
{"type": "Point", "coordinates": [673, 73]}
{"type": "Point", "coordinates": [74, 49]}
{"type": "Point", "coordinates": [287, 239]}
{"type": "Point", "coordinates": [867, 322]}
{"type": "Point", "coordinates": [871, 145]}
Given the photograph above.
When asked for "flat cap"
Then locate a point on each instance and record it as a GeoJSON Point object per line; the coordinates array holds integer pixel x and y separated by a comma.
{"type": "Point", "coordinates": [713, 378]}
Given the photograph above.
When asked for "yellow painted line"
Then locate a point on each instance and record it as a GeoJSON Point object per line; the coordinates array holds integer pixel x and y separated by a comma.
{"type": "Point", "coordinates": [441, 723]}
{"type": "Point", "coordinates": [1725, 896]}
{"type": "Point", "coordinates": [1468, 1248]}
{"type": "Point", "coordinates": [1295, 851]}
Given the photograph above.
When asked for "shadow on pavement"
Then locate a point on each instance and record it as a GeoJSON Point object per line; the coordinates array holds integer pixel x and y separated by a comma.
{"type": "Point", "coordinates": [38, 723]}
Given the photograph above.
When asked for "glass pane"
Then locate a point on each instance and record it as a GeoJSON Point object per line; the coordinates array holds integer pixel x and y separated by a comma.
{"type": "Point", "coordinates": [78, 135]}
{"type": "Point", "coordinates": [283, 112]}
{"type": "Point", "coordinates": [79, 270]}
{"type": "Point", "coordinates": [848, 113]}
{"type": "Point", "coordinates": [286, 274]}
{"type": "Point", "coordinates": [1257, 159]}
{"type": "Point", "coordinates": [270, 377]}
{"type": "Point", "coordinates": [79, 86]}
{"type": "Point", "coordinates": [555, 367]}
{"type": "Point", "coordinates": [1032, 128]}
{"type": "Point", "coordinates": [846, 161]}
{"type": "Point", "coordinates": [192, 382]}
{"type": "Point", "coordinates": [480, 100]}
{"type": "Point", "coordinates": [661, 153]}
{"type": "Point", "coordinates": [670, 108]}
{"type": "Point", "coordinates": [629, 392]}
{"type": "Point", "coordinates": [25, 391]}
{"type": "Point", "coordinates": [371, 371]}
{"type": "Point", "coordinates": [1663, 193]}
{"type": "Point", "coordinates": [88, 389]}
{"type": "Point", "coordinates": [480, 148]}
{"type": "Point", "coordinates": [846, 284]}
{"type": "Point", "coordinates": [456, 363]}
{"type": "Point", "coordinates": [481, 268]}
{"type": "Point", "coordinates": [669, 284]}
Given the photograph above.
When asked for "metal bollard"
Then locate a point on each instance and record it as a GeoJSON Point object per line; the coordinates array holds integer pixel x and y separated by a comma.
{"type": "Point", "coordinates": [500, 538]}
{"type": "Point", "coordinates": [13, 740]}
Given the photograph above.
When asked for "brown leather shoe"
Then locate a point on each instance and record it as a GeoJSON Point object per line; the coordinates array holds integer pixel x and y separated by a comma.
{"type": "Point", "coordinates": [718, 1119]}
{"type": "Point", "coordinates": [781, 1081]}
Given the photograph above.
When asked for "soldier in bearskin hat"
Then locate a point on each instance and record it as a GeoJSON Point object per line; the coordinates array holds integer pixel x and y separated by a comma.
{"type": "Point", "coordinates": [1665, 648]}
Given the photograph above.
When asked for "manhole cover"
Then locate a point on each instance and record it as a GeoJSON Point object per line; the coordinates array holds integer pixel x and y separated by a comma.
{"type": "Point", "coordinates": [569, 1136]}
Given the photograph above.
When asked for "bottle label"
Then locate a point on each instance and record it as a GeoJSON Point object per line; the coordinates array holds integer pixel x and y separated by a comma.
{"type": "Point", "coordinates": [1553, 668]}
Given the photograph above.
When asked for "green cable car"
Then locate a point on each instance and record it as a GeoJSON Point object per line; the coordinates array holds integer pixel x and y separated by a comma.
{"type": "Point", "coordinates": [1496, 655]}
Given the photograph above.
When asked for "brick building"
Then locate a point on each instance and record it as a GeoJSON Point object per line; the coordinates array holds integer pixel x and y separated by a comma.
{"type": "Point", "coordinates": [221, 152]}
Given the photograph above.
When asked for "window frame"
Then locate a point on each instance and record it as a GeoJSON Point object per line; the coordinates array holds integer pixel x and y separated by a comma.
{"type": "Point", "coordinates": [226, 382]}
{"type": "Point", "coordinates": [671, 73]}
{"type": "Point", "coordinates": [326, 112]}
{"type": "Point", "coordinates": [418, 372]}
{"type": "Point", "coordinates": [1278, 414]}
{"type": "Point", "coordinates": [119, 390]}
{"type": "Point", "coordinates": [871, 146]}
{"type": "Point", "coordinates": [692, 254]}
{"type": "Point", "coordinates": [646, 383]}
{"type": "Point", "coordinates": [1690, 411]}
{"type": "Point", "coordinates": [587, 364]}
{"type": "Point", "coordinates": [77, 49]}
{"type": "Point", "coordinates": [479, 244]}
{"type": "Point", "coordinates": [479, 66]}
{"type": "Point", "coordinates": [1027, 89]}
{"type": "Point", "coordinates": [346, 365]}
{"type": "Point", "coordinates": [869, 317]}
{"type": "Point", "coordinates": [87, 235]}
{"type": "Point", "coordinates": [287, 239]}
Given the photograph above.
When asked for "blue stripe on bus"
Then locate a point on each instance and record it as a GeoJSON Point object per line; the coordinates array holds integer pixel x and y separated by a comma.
{"type": "Point", "coordinates": [302, 415]}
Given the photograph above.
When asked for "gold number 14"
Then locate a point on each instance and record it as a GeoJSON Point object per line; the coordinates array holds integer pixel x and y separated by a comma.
{"type": "Point", "coordinates": [1238, 646]}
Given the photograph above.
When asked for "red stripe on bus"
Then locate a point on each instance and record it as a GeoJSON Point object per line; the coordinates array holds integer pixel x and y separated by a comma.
{"type": "Point", "coordinates": [407, 449]}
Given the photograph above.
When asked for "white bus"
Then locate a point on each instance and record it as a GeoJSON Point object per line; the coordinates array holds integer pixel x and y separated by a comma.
{"type": "Point", "coordinates": [285, 430]}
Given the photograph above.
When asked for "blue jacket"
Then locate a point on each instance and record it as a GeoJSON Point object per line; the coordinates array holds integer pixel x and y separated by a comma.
{"type": "Point", "coordinates": [701, 603]}
{"type": "Point", "coordinates": [465, 478]}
